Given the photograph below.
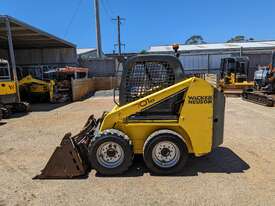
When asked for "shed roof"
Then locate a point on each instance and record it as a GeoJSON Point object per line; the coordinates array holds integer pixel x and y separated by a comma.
{"type": "Point", "coordinates": [26, 36]}
{"type": "Point", "coordinates": [85, 50]}
{"type": "Point", "coordinates": [216, 46]}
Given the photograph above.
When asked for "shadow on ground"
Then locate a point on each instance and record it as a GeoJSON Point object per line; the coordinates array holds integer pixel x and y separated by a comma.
{"type": "Point", "coordinates": [44, 107]}
{"type": "Point", "coordinates": [221, 160]}
{"type": "Point", "coordinates": [2, 123]}
{"type": "Point", "coordinates": [38, 107]}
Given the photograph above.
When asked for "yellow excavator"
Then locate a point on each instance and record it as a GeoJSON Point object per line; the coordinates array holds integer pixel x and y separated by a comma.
{"type": "Point", "coordinates": [234, 75]}
{"type": "Point", "coordinates": [33, 88]}
{"type": "Point", "coordinates": [160, 114]}
{"type": "Point", "coordinates": [264, 93]}
{"type": "Point", "coordinates": [9, 94]}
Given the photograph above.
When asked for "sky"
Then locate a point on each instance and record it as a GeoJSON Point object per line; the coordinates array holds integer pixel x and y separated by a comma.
{"type": "Point", "coordinates": [148, 22]}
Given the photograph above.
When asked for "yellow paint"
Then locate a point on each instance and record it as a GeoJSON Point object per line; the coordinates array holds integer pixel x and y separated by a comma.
{"type": "Point", "coordinates": [194, 123]}
{"type": "Point", "coordinates": [232, 84]}
{"type": "Point", "coordinates": [38, 89]}
{"type": "Point", "coordinates": [7, 88]}
{"type": "Point", "coordinates": [38, 86]}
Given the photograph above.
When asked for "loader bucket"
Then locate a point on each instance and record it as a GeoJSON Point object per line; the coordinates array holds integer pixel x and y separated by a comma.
{"type": "Point", "coordinates": [70, 159]}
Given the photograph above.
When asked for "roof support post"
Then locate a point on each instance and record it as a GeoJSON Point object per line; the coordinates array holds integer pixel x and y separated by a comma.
{"type": "Point", "coordinates": [12, 57]}
{"type": "Point", "coordinates": [98, 31]}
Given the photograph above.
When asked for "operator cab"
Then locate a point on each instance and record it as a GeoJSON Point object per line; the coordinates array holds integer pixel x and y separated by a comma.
{"type": "Point", "coordinates": [141, 78]}
{"type": "Point", "coordinates": [237, 66]}
{"type": "Point", "coordinates": [4, 70]}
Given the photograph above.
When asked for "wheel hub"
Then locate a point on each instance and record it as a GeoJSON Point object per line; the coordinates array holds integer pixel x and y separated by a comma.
{"type": "Point", "coordinates": [110, 154]}
{"type": "Point", "coordinates": [165, 154]}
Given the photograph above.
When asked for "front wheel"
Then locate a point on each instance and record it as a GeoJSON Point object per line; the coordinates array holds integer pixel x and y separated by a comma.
{"type": "Point", "coordinates": [111, 153]}
{"type": "Point", "coordinates": [165, 154]}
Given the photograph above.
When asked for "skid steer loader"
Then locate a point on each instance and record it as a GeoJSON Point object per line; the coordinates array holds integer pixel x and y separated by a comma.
{"type": "Point", "coordinates": [9, 96]}
{"type": "Point", "coordinates": [160, 114]}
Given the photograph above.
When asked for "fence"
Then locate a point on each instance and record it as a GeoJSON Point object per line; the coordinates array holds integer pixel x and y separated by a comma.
{"type": "Point", "coordinates": [84, 87]}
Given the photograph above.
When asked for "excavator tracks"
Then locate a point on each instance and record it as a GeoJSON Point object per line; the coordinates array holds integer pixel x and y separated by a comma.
{"type": "Point", "coordinates": [259, 98]}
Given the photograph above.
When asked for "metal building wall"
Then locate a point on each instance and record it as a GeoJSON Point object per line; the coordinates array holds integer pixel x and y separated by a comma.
{"type": "Point", "coordinates": [35, 61]}
{"type": "Point", "coordinates": [194, 63]}
{"type": "Point", "coordinates": [202, 63]}
{"type": "Point", "coordinates": [100, 67]}
{"type": "Point", "coordinates": [262, 59]}
{"type": "Point", "coordinates": [215, 62]}
{"type": "Point", "coordinates": [210, 63]}
{"type": "Point", "coordinates": [46, 56]}
{"type": "Point", "coordinates": [42, 56]}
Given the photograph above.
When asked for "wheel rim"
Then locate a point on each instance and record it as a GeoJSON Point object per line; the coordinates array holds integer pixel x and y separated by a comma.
{"type": "Point", "coordinates": [165, 154]}
{"type": "Point", "coordinates": [110, 154]}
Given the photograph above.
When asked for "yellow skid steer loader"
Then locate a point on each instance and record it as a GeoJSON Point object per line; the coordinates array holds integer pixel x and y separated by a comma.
{"type": "Point", "coordinates": [9, 95]}
{"type": "Point", "coordinates": [160, 114]}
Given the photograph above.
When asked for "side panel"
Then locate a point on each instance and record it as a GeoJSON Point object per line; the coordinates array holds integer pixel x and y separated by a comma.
{"type": "Point", "coordinates": [197, 116]}
{"type": "Point", "coordinates": [194, 123]}
{"type": "Point", "coordinates": [7, 88]}
{"type": "Point", "coordinates": [8, 99]}
{"type": "Point", "coordinates": [218, 118]}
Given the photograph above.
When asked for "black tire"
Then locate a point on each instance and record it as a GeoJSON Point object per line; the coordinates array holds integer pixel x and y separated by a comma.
{"type": "Point", "coordinates": [22, 107]}
{"type": "Point", "coordinates": [111, 136]}
{"type": "Point", "coordinates": [148, 154]}
{"type": "Point", "coordinates": [270, 103]}
{"type": "Point", "coordinates": [6, 112]}
{"type": "Point", "coordinates": [1, 114]}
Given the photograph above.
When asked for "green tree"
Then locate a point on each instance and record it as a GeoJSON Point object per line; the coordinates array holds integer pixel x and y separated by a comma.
{"type": "Point", "coordinates": [195, 39]}
{"type": "Point", "coordinates": [240, 38]}
{"type": "Point", "coordinates": [143, 51]}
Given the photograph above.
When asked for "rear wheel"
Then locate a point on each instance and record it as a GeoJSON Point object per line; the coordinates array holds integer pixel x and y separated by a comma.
{"type": "Point", "coordinates": [111, 153]}
{"type": "Point", "coordinates": [165, 153]}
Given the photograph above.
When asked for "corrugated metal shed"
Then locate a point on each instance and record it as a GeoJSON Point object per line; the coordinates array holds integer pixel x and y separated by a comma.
{"type": "Point", "coordinates": [206, 58]}
{"type": "Point", "coordinates": [216, 46]}
{"type": "Point", "coordinates": [84, 50]}
{"type": "Point", "coordinates": [86, 53]}
{"type": "Point", "coordinates": [27, 36]}
{"type": "Point", "coordinates": [99, 67]}
{"type": "Point", "coordinates": [33, 46]}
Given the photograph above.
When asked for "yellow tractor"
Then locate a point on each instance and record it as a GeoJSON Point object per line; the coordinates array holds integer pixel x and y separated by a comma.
{"type": "Point", "coordinates": [160, 114]}
{"type": "Point", "coordinates": [234, 75]}
{"type": "Point", "coordinates": [9, 94]}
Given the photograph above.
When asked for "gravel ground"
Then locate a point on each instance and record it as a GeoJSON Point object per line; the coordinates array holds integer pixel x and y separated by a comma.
{"type": "Point", "coordinates": [240, 172]}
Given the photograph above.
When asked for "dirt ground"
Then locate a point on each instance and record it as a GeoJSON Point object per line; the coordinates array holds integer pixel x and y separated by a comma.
{"type": "Point", "coordinates": [240, 172]}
